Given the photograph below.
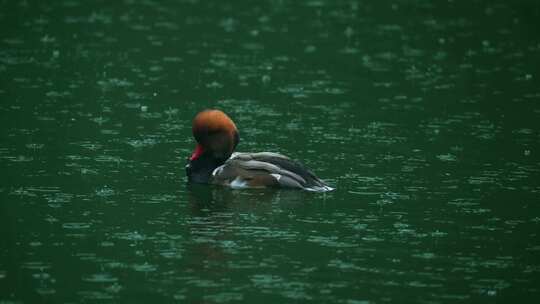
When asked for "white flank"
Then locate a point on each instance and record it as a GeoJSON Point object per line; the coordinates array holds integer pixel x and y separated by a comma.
{"type": "Point", "coordinates": [238, 183]}
{"type": "Point", "coordinates": [276, 176]}
{"type": "Point", "coordinates": [217, 170]}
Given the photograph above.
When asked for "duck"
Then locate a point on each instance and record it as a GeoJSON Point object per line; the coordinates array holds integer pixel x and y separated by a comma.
{"type": "Point", "coordinates": [214, 160]}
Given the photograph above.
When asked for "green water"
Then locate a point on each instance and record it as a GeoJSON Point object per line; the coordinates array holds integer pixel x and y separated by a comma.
{"type": "Point", "coordinates": [424, 115]}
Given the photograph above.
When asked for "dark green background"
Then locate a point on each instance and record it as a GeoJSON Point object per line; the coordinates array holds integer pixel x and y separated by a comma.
{"type": "Point", "coordinates": [423, 114]}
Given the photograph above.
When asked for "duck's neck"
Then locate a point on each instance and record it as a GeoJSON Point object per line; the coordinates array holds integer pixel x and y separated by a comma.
{"type": "Point", "coordinates": [200, 170]}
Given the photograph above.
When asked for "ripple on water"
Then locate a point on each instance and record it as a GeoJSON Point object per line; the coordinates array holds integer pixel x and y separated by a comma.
{"type": "Point", "coordinates": [204, 283]}
{"type": "Point", "coordinates": [343, 266]}
{"type": "Point", "coordinates": [95, 295]}
{"type": "Point", "coordinates": [485, 177]}
{"type": "Point", "coordinates": [447, 157]}
{"type": "Point", "coordinates": [22, 192]}
{"type": "Point", "coordinates": [489, 287]}
{"type": "Point", "coordinates": [109, 158]}
{"type": "Point", "coordinates": [224, 297]}
{"type": "Point", "coordinates": [36, 265]}
{"type": "Point", "coordinates": [130, 236]}
{"type": "Point", "coordinates": [32, 146]}
{"type": "Point", "coordinates": [425, 255]}
{"type": "Point", "coordinates": [261, 233]}
{"type": "Point", "coordinates": [100, 120]}
{"type": "Point", "coordinates": [243, 264]}
{"type": "Point", "coordinates": [45, 290]}
{"type": "Point", "coordinates": [150, 115]}
{"type": "Point", "coordinates": [116, 265]}
{"type": "Point", "coordinates": [382, 132]}
{"type": "Point", "coordinates": [171, 253]}
{"type": "Point", "coordinates": [485, 130]}
{"type": "Point", "coordinates": [154, 198]}
{"type": "Point", "coordinates": [112, 83]}
{"type": "Point", "coordinates": [331, 241]}
{"type": "Point", "coordinates": [100, 278]}
{"type": "Point", "coordinates": [105, 192]}
{"type": "Point", "coordinates": [58, 197]}
{"type": "Point", "coordinates": [88, 145]}
{"type": "Point", "coordinates": [76, 226]}
{"type": "Point", "coordinates": [146, 267]}
{"type": "Point", "coordinates": [269, 283]}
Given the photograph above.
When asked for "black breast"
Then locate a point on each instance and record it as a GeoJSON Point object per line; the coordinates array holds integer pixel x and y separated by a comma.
{"type": "Point", "coordinates": [200, 170]}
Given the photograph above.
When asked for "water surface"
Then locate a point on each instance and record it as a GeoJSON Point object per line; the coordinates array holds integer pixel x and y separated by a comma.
{"type": "Point", "coordinates": [424, 116]}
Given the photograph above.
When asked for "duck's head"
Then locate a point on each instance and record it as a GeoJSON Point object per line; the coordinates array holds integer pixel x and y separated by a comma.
{"type": "Point", "coordinates": [215, 133]}
{"type": "Point", "coordinates": [216, 137]}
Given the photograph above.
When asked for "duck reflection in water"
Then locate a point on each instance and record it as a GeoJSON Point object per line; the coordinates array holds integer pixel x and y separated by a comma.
{"type": "Point", "coordinates": [219, 215]}
{"type": "Point", "coordinates": [206, 200]}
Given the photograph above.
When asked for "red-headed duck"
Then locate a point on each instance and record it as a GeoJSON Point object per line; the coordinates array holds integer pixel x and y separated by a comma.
{"type": "Point", "coordinates": [214, 161]}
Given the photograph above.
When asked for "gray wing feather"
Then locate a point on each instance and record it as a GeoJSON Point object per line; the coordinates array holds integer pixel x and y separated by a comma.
{"type": "Point", "coordinates": [286, 181]}
{"type": "Point", "coordinates": [270, 168]}
{"type": "Point", "coordinates": [258, 155]}
{"type": "Point", "coordinates": [287, 172]}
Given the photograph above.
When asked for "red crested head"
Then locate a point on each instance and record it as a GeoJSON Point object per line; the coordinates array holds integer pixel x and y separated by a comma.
{"type": "Point", "coordinates": [215, 133]}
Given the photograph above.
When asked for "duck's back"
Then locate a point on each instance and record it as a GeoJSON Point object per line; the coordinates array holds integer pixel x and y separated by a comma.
{"type": "Point", "coordinates": [266, 169]}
